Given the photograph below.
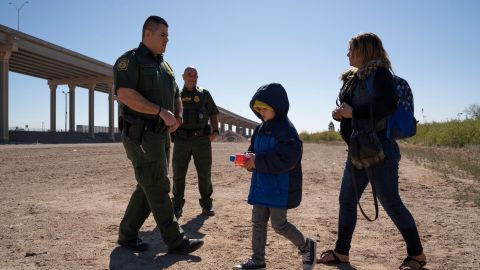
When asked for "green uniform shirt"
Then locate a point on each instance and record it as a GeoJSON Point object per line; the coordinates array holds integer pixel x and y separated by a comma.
{"type": "Point", "coordinates": [198, 106]}
{"type": "Point", "coordinates": [150, 75]}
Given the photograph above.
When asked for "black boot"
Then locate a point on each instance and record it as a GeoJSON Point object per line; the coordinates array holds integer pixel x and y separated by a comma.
{"type": "Point", "coordinates": [208, 211]}
{"type": "Point", "coordinates": [187, 246]}
{"type": "Point", "coordinates": [136, 245]}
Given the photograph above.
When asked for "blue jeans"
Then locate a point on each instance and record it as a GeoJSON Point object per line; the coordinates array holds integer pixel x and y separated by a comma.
{"type": "Point", "coordinates": [385, 179]}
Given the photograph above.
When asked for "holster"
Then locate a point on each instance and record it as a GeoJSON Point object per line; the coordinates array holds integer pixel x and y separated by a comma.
{"type": "Point", "coordinates": [135, 126]}
{"type": "Point", "coordinates": [120, 123]}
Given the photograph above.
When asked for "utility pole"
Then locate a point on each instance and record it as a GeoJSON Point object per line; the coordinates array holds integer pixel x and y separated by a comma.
{"type": "Point", "coordinates": [18, 12]}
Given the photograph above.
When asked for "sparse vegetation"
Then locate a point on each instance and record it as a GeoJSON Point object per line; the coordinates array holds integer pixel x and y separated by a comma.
{"type": "Point", "coordinates": [454, 133]}
{"type": "Point", "coordinates": [317, 137]}
{"type": "Point", "coordinates": [451, 148]}
{"type": "Point", "coordinates": [461, 162]}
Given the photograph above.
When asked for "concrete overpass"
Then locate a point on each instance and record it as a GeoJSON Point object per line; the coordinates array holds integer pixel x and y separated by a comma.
{"type": "Point", "coordinates": [227, 118]}
{"type": "Point", "coordinates": [31, 56]}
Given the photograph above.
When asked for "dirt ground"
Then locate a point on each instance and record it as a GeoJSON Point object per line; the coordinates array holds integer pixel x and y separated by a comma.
{"type": "Point", "coordinates": [61, 206]}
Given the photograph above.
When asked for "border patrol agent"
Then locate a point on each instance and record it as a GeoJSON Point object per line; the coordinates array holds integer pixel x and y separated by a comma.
{"type": "Point", "coordinates": [193, 138]}
{"type": "Point", "coordinates": [146, 88]}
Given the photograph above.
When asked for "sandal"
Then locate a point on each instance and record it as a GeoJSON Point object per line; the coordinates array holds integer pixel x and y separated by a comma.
{"type": "Point", "coordinates": [336, 260]}
{"type": "Point", "coordinates": [412, 264]}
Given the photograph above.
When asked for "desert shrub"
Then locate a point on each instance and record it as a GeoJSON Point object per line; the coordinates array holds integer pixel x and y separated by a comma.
{"type": "Point", "coordinates": [453, 133]}
{"type": "Point", "coordinates": [316, 137]}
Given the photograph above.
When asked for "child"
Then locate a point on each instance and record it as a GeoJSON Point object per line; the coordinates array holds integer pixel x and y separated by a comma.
{"type": "Point", "coordinates": [276, 183]}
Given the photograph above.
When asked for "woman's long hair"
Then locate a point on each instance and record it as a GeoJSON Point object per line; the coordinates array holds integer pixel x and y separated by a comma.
{"type": "Point", "coordinates": [369, 47]}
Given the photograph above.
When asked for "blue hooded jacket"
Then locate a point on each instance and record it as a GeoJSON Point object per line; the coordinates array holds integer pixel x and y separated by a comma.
{"type": "Point", "coordinates": [277, 177]}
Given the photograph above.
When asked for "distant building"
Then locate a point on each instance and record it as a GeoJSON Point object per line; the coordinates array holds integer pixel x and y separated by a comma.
{"type": "Point", "coordinates": [331, 126]}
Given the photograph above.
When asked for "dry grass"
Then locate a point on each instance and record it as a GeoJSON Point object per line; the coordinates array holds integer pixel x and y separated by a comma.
{"type": "Point", "coordinates": [451, 163]}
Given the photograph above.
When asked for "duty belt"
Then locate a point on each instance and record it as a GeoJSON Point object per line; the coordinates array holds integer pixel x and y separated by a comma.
{"type": "Point", "coordinates": [190, 133]}
{"type": "Point", "coordinates": [133, 127]}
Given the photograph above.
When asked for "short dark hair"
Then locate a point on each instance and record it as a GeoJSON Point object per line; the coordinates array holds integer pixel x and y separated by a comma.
{"type": "Point", "coordinates": [151, 24]}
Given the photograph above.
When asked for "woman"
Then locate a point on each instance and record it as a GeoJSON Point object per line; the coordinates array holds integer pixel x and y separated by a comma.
{"type": "Point", "coordinates": [371, 69]}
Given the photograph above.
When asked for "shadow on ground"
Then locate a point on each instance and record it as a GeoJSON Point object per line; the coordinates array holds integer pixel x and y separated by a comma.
{"type": "Point", "coordinates": [156, 257]}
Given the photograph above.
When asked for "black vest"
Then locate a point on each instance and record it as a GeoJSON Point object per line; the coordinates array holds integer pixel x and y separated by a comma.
{"type": "Point", "coordinates": [195, 114]}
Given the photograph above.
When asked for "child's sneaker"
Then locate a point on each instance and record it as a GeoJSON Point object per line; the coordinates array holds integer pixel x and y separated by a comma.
{"type": "Point", "coordinates": [309, 255]}
{"type": "Point", "coordinates": [249, 264]}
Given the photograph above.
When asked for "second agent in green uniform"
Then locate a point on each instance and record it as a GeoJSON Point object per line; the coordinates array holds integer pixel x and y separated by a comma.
{"type": "Point", "coordinates": [193, 138]}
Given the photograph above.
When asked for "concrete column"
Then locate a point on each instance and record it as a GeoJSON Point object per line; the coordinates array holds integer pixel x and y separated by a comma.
{"type": "Point", "coordinates": [111, 111]}
{"type": "Point", "coordinates": [71, 104]}
{"type": "Point", "coordinates": [5, 53]}
{"type": "Point", "coordinates": [91, 110]}
{"type": "Point", "coordinates": [53, 107]}
{"type": "Point", "coordinates": [4, 67]}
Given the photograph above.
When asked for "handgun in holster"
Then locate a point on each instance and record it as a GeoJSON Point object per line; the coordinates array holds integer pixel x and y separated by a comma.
{"type": "Point", "coordinates": [133, 128]}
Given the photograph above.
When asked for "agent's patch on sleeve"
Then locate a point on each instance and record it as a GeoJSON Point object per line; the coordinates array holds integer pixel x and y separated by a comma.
{"type": "Point", "coordinates": [122, 64]}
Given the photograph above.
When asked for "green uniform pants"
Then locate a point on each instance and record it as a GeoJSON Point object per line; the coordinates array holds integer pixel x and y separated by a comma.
{"type": "Point", "coordinates": [151, 193]}
{"type": "Point", "coordinates": [201, 150]}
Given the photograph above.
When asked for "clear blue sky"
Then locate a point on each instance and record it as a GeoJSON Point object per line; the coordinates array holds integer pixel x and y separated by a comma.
{"type": "Point", "coordinates": [239, 45]}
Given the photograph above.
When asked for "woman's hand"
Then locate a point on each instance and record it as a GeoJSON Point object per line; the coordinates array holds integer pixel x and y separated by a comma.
{"type": "Point", "coordinates": [344, 111]}
{"type": "Point", "coordinates": [336, 114]}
